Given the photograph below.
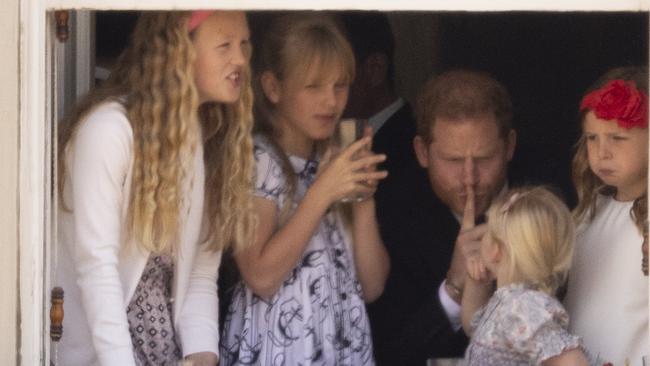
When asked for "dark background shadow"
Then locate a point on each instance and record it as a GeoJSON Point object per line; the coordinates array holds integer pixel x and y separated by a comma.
{"type": "Point", "coordinates": [546, 60]}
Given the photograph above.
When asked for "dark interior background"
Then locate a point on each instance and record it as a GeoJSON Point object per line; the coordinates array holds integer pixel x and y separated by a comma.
{"type": "Point", "coordinates": [545, 59]}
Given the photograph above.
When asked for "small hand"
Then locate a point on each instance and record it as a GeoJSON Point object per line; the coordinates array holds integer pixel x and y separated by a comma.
{"type": "Point", "coordinates": [342, 175]}
{"type": "Point", "coordinates": [368, 132]}
{"type": "Point", "coordinates": [201, 359]}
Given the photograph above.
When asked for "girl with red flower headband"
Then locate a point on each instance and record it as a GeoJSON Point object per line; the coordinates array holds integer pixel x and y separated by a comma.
{"type": "Point", "coordinates": [607, 296]}
{"type": "Point", "coordinates": [160, 149]}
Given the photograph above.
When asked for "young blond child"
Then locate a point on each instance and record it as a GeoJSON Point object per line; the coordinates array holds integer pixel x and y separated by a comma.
{"type": "Point", "coordinates": [305, 280]}
{"type": "Point", "coordinates": [607, 293]}
{"type": "Point", "coordinates": [527, 250]}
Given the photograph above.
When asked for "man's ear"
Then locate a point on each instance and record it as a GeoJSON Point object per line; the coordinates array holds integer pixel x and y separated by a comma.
{"type": "Point", "coordinates": [376, 67]}
{"type": "Point", "coordinates": [270, 86]}
{"type": "Point", "coordinates": [511, 140]}
{"type": "Point", "coordinates": [421, 151]}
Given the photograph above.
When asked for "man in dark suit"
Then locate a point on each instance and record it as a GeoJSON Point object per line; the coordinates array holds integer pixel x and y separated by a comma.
{"type": "Point", "coordinates": [464, 142]}
{"type": "Point", "coordinates": [372, 94]}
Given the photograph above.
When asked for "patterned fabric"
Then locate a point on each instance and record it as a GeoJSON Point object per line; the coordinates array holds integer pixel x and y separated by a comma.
{"type": "Point", "coordinates": [150, 315]}
{"type": "Point", "coordinates": [317, 317]}
{"type": "Point", "coordinates": [519, 326]}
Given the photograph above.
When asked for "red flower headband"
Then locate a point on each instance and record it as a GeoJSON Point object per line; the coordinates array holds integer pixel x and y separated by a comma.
{"type": "Point", "coordinates": [197, 17]}
{"type": "Point", "coordinates": [619, 100]}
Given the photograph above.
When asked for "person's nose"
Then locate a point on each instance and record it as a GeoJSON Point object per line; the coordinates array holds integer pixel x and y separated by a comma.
{"type": "Point", "coordinates": [470, 172]}
{"type": "Point", "coordinates": [329, 96]}
{"type": "Point", "coordinates": [603, 149]}
{"type": "Point", "coordinates": [239, 56]}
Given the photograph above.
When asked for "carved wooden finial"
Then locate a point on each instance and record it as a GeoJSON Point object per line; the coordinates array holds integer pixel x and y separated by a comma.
{"type": "Point", "coordinates": [56, 314]}
{"type": "Point", "coordinates": [644, 261]}
{"type": "Point", "coordinates": [62, 28]}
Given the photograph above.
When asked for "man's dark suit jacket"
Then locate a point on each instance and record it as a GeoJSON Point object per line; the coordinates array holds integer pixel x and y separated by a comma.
{"type": "Point", "coordinates": [395, 139]}
{"type": "Point", "coordinates": [408, 322]}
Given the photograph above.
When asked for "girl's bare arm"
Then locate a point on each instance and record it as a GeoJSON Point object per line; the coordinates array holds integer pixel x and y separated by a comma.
{"type": "Point", "coordinates": [370, 255]}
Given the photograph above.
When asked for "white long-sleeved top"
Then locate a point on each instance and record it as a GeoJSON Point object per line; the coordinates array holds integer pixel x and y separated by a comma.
{"type": "Point", "coordinates": [99, 267]}
{"type": "Point", "coordinates": [607, 297]}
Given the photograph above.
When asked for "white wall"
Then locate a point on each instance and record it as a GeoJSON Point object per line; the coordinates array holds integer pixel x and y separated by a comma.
{"type": "Point", "coordinates": [9, 92]}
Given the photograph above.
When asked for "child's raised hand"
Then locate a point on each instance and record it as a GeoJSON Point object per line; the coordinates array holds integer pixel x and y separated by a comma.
{"type": "Point", "coordinates": [348, 173]}
{"type": "Point", "coordinates": [368, 132]}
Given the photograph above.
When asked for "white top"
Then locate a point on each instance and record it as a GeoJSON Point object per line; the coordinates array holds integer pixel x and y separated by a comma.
{"type": "Point", "coordinates": [607, 297]}
{"type": "Point", "coordinates": [99, 268]}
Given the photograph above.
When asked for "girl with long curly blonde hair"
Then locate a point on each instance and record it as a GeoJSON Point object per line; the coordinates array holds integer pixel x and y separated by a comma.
{"type": "Point", "coordinates": [305, 279]}
{"type": "Point", "coordinates": [610, 173]}
{"type": "Point", "coordinates": [155, 178]}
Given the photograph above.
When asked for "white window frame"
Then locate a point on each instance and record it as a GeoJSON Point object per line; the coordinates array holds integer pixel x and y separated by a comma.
{"type": "Point", "coordinates": [36, 106]}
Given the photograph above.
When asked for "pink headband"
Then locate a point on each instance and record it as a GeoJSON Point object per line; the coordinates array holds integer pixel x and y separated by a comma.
{"type": "Point", "coordinates": [197, 17]}
{"type": "Point", "coordinates": [506, 206]}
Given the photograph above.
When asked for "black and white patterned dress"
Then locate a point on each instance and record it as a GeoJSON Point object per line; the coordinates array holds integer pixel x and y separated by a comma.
{"type": "Point", "coordinates": [318, 316]}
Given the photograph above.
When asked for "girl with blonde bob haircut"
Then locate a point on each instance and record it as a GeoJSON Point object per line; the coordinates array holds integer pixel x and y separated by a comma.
{"type": "Point", "coordinates": [534, 230]}
{"type": "Point", "coordinates": [158, 150]}
{"type": "Point", "coordinates": [307, 276]}
{"type": "Point", "coordinates": [527, 249]}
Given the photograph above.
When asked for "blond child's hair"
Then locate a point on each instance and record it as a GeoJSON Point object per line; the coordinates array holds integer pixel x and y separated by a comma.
{"type": "Point", "coordinates": [154, 81]}
{"type": "Point", "coordinates": [535, 230]}
{"type": "Point", "coordinates": [587, 184]}
{"type": "Point", "coordinates": [294, 43]}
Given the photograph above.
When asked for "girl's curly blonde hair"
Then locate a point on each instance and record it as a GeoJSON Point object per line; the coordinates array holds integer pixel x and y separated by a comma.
{"type": "Point", "coordinates": [154, 80]}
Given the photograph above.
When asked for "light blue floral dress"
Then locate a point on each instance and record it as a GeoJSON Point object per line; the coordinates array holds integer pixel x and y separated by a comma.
{"type": "Point", "coordinates": [519, 326]}
{"type": "Point", "coordinates": [318, 316]}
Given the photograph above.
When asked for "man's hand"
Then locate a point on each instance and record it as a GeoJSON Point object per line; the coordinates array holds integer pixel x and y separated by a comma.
{"type": "Point", "coordinates": [467, 247]}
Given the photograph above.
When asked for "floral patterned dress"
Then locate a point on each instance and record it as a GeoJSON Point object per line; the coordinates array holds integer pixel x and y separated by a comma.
{"type": "Point", "coordinates": [519, 326]}
{"type": "Point", "coordinates": [318, 316]}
